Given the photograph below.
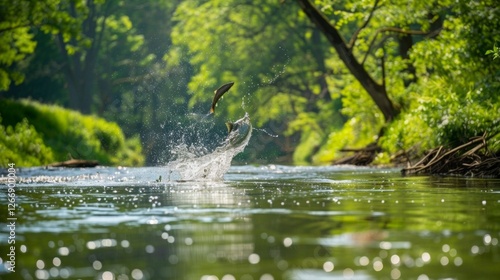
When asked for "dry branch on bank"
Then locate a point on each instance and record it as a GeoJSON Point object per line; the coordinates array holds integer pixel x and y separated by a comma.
{"type": "Point", "coordinates": [470, 159]}
{"type": "Point", "coordinates": [360, 157]}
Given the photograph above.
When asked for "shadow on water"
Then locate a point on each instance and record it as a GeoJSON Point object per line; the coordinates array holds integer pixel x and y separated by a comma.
{"type": "Point", "coordinates": [265, 222]}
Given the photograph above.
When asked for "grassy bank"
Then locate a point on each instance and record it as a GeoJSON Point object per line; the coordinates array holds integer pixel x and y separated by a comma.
{"type": "Point", "coordinates": [34, 134]}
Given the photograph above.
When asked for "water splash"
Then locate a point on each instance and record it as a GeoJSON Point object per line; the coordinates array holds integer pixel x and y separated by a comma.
{"type": "Point", "coordinates": [267, 132]}
{"type": "Point", "coordinates": [210, 167]}
{"type": "Point", "coordinates": [194, 163]}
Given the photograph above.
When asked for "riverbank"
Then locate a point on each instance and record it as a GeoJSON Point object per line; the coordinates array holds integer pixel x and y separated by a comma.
{"type": "Point", "coordinates": [471, 159]}
{"type": "Point", "coordinates": [36, 134]}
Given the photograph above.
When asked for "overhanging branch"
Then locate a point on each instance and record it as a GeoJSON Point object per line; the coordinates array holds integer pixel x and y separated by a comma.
{"type": "Point", "coordinates": [397, 30]}
{"type": "Point", "coordinates": [365, 24]}
{"type": "Point", "coordinates": [376, 91]}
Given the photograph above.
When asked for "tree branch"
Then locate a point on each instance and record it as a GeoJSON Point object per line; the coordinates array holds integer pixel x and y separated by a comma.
{"type": "Point", "coordinates": [376, 91]}
{"type": "Point", "coordinates": [382, 65]}
{"type": "Point", "coordinates": [14, 27]}
{"type": "Point", "coordinates": [356, 33]}
{"type": "Point", "coordinates": [395, 30]}
{"type": "Point", "coordinates": [403, 31]}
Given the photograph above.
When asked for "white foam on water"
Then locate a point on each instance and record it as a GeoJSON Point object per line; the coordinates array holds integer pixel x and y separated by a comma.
{"type": "Point", "coordinates": [208, 167]}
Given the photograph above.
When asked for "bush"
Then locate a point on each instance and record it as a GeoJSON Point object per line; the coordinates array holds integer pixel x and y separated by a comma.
{"type": "Point", "coordinates": [70, 134]}
{"type": "Point", "coordinates": [23, 146]}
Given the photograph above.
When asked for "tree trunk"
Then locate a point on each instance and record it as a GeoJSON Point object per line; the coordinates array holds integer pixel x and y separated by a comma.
{"type": "Point", "coordinates": [376, 91]}
{"type": "Point", "coordinates": [319, 57]}
{"type": "Point", "coordinates": [405, 44]}
{"type": "Point", "coordinates": [79, 68]}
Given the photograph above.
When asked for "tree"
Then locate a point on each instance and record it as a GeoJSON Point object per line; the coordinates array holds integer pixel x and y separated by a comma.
{"type": "Point", "coordinates": [455, 96]}
{"type": "Point", "coordinates": [141, 84]}
{"type": "Point", "coordinates": [17, 20]}
{"type": "Point", "coordinates": [302, 70]}
{"type": "Point", "coordinates": [107, 58]}
{"type": "Point", "coordinates": [278, 63]}
{"type": "Point", "coordinates": [80, 53]}
{"type": "Point", "coordinates": [377, 91]}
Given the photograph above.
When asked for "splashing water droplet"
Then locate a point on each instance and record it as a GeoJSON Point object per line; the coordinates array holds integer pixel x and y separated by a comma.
{"type": "Point", "coordinates": [266, 132]}
{"type": "Point", "coordinates": [201, 165]}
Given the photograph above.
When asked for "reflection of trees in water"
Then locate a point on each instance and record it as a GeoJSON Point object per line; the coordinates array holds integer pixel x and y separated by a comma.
{"type": "Point", "coordinates": [213, 226]}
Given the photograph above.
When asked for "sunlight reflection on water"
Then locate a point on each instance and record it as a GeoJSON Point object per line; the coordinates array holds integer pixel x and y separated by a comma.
{"type": "Point", "coordinates": [261, 222]}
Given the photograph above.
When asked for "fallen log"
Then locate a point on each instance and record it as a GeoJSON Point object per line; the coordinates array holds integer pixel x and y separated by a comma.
{"type": "Point", "coordinates": [75, 163]}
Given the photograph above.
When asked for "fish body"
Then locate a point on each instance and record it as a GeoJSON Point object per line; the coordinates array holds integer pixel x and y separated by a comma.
{"type": "Point", "coordinates": [239, 132]}
{"type": "Point", "coordinates": [212, 166]}
{"type": "Point", "coordinates": [218, 94]}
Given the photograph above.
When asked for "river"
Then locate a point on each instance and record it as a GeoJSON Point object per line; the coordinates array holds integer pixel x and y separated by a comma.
{"type": "Point", "coordinates": [260, 222]}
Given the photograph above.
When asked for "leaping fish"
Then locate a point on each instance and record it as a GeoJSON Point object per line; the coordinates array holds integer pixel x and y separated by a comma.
{"type": "Point", "coordinates": [218, 94]}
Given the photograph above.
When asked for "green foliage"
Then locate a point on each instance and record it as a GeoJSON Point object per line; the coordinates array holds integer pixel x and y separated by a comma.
{"type": "Point", "coordinates": [23, 146]}
{"type": "Point", "coordinates": [17, 43]}
{"type": "Point", "coordinates": [408, 131]}
{"type": "Point", "coordinates": [354, 134]}
{"type": "Point", "coordinates": [450, 95]}
{"type": "Point", "coordinates": [276, 60]}
{"type": "Point", "coordinates": [420, 78]}
{"type": "Point", "coordinates": [310, 137]}
{"type": "Point", "coordinates": [456, 96]}
{"type": "Point", "coordinates": [495, 52]}
{"type": "Point", "coordinates": [131, 152]}
{"type": "Point", "coordinates": [70, 134]}
{"type": "Point", "coordinates": [148, 65]}
{"type": "Point", "coordinates": [107, 55]}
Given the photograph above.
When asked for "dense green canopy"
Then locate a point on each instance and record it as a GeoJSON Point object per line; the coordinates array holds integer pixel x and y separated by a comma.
{"type": "Point", "coordinates": [310, 72]}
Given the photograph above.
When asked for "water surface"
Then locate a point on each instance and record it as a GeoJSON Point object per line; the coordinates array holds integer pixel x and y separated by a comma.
{"type": "Point", "coordinates": [260, 222]}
